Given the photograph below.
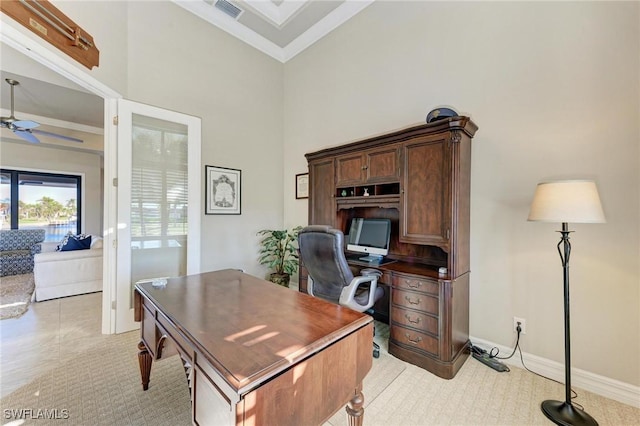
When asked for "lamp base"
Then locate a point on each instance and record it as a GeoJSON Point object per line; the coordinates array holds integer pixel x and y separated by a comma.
{"type": "Point", "coordinates": [565, 414]}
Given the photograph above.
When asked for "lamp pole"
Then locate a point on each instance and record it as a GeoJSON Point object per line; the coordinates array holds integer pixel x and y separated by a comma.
{"type": "Point", "coordinates": [564, 413]}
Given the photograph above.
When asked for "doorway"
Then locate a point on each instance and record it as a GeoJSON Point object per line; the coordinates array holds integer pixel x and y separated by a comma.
{"type": "Point", "coordinates": [27, 46]}
{"type": "Point", "coordinates": [183, 214]}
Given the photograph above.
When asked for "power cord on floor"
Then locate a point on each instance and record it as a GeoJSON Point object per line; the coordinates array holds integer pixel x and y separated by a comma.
{"type": "Point", "coordinates": [493, 353]}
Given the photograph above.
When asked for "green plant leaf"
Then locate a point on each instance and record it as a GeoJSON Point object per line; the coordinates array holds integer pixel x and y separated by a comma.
{"type": "Point", "coordinates": [278, 249]}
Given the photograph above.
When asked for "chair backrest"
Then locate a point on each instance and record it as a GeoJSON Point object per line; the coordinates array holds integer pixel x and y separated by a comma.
{"type": "Point", "coordinates": [20, 239]}
{"type": "Point", "coordinates": [322, 252]}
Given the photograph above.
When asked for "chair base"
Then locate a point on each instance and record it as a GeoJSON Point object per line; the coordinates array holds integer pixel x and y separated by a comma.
{"type": "Point", "coordinates": [376, 350]}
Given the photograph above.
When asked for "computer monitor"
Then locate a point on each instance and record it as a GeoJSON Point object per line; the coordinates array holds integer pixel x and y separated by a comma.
{"type": "Point", "coordinates": [370, 236]}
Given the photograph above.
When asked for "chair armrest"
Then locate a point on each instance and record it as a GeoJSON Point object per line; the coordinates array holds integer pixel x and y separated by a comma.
{"type": "Point", "coordinates": [310, 286]}
{"type": "Point", "coordinates": [347, 296]}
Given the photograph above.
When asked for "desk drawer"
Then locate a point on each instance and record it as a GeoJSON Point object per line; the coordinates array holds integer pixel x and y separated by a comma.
{"type": "Point", "coordinates": [418, 320]}
{"type": "Point", "coordinates": [210, 405]}
{"type": "Point", "coordinates": [417, 301]}
{"type": "Point", "coordinates": [416, 284]}
{"type": "Point", "coordinates": [415, 339]}
{"type": "Point", "coordinates": [165, 327]}
{"type": "Point", "coordinates": [149, 329]}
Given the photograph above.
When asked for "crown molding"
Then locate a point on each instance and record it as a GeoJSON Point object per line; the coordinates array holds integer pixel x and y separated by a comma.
{"type": "Point", "coordinates": [333, 20]}
{"type": "Point", "coordinates": [231, 26]}
{"type": "Point", "coordinates": [279, 15]}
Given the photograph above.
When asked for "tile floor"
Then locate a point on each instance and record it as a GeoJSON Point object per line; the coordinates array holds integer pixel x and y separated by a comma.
{"type": "Point", "coordinates": [45, 336]}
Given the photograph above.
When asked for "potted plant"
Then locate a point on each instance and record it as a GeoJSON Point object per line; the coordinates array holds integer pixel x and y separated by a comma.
{"type": "Point", "coordinates": [278, 251]}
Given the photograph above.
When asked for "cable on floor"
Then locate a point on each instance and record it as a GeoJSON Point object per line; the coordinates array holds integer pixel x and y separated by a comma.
{"type": "Point", "coordinates": [493, 353]}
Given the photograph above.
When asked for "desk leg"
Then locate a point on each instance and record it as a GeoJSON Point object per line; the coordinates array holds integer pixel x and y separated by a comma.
{"type": "Point", "coordinates": [355, 411]}
{"type": "Point", "coordinates": [144, 358]}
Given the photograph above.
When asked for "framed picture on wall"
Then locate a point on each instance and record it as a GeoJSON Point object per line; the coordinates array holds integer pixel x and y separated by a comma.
{"type": "Point", "coordinates": [302, 186]}
{"type": "Point", "coordinates": [222, 190]}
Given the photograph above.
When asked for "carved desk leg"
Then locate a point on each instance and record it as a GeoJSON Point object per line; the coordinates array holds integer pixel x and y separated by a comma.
{"type": "Point", "coordinates": [144, 358]}
{"type": "Point", "coordinates": [355, 408]}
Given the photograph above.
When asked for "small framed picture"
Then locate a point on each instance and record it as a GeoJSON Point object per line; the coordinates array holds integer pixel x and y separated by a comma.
{"type": "Point", "coordinates": [302, 186]}
{"type": "Point", "coordinates": [222, 190]}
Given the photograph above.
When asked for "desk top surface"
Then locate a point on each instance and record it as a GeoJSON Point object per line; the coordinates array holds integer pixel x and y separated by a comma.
{"type": "Point", "coordinates": [248, 328]}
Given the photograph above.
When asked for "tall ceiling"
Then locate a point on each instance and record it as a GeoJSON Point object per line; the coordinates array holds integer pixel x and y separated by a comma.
{"type": "Point", "coordinates": [279, 28]}
{"type": "Point", "coordinates": [57, 104]}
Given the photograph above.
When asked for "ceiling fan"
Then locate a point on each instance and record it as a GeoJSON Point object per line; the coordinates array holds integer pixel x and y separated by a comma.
{"type": "Point", "coordinates": [26, 128]}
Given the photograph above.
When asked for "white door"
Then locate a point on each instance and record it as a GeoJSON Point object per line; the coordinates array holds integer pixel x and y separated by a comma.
{"type": "Point", "coordinates": [159, 195]}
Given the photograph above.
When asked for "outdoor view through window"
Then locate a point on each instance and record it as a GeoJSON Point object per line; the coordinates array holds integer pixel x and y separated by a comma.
{"type": "Point", "coordinates": [31, 200]}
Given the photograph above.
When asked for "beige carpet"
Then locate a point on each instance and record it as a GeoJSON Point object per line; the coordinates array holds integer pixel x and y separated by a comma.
{"type": "Point", "coordinates": [15, 295]}
{"type": "Point", "coordinates": [102, 387]}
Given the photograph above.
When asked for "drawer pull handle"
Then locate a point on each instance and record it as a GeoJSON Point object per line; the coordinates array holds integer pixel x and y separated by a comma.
{"type": "Point", "coordinates": [412, 285]}
{"type": "Point", "coordinates": [160, 346]}
{"type": "Point", "coordinates": [416, 341]}
{"type": "Point", "coordinates": [416, 302]}
{"type": "Point", "coordinates": [412, 321]}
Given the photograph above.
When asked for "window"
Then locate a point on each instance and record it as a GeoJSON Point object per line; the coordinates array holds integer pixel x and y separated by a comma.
{"type": "Point", "coordinates": [159, 176]}
{"type": "Point", "coordinates": [31, 200]}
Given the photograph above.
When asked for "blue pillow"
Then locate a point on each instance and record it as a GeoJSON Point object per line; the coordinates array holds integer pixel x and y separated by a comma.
{"type": "Point", "coordinates": [76, 242]}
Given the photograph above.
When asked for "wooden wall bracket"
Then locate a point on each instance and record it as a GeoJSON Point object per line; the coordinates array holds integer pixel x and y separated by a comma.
{"type": "Point", "coordinates": [49, 23]}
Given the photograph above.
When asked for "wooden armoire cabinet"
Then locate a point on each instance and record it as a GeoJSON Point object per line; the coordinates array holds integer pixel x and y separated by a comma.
{"type": "Point", "coordinates": [377, 165]}
{"type": "Point", "coordinates": [419, 178]}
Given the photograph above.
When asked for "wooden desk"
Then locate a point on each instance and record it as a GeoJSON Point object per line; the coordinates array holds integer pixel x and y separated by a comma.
{"type": "Point", "coordinates": [428, 314]}
{"type": "Point", "coordinates": [256, 353]}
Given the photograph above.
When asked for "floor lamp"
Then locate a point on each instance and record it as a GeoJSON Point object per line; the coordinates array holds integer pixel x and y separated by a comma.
{"type": "Point", "coordinates": [577, 202]}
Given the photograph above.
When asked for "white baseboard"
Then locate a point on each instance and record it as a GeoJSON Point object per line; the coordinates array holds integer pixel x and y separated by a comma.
{"type": "Point", "coordinates": [604, 386]}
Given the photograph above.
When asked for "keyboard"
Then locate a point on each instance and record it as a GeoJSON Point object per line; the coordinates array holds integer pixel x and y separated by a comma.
{"type": "Point", "coordinates": [376, 259]}
{"type": "Point", "coordinates": [362, 258]}
{"type": "Point", "coordinates": [357, 258]}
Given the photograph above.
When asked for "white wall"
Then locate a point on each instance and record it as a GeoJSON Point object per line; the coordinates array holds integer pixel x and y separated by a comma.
{"type": "Point", "coordinates": [237, 91]}
{"type": "Point", "coordinates": [106, 21]}
{"type": "Point", "coordinates": [554, 89]}
{"type": "Point", "coordinates": [157, 53]}
{"type": "Point", "coordinates": [19, 156]}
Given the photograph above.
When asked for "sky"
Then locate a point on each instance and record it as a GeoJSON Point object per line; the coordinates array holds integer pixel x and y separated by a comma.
{"type": "Point", "coordinates": [31, 194]}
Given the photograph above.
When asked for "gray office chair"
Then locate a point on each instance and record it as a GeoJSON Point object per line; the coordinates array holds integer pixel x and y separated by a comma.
{"type": "Point", "coordinates": [330, 278]}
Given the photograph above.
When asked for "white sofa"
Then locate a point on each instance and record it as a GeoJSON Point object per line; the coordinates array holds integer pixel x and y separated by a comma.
{"type": "Point", "coordinates": [67, 273]}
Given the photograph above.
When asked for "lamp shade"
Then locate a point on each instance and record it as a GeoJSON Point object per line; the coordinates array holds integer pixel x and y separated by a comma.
{"type": "Point", "coordinates": [575, 201]}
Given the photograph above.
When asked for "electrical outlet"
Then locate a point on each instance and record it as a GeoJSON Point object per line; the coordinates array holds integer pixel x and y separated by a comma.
{"type": "Point", "coordinates": [523, 325]}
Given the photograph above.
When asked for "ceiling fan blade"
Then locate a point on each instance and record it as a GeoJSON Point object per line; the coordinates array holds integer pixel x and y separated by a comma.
{"type": "Point", "coordinates": [55, 135]}
{"type": "Point", "coordinates": [26, 135]}
{"type": "Point", "coordinates": [26, 124]}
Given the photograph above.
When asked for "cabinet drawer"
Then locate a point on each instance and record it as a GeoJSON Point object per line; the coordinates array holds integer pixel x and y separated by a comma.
{"type": "Point", "coordinates": [417, 301]}
{"type": "Point", "coordinates": [417, 284]}
{"type": "Point", "coordinates": [412, 338]}
{"type": "Point", "coordinates": [415, 319]}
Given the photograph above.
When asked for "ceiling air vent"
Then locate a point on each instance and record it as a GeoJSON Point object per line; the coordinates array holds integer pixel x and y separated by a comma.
{"type": "Point", "coordinates": [228, 8]}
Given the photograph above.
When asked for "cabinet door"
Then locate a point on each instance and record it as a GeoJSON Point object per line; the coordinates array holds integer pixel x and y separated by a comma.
{"type": "Point", "coordinates": [322, 206]}
{"type": "Point", "coordinates": [382, 165]}
{"type": "Point", "coordinates": [425, 206]}
{"type": "Point", "coordinates": [350, 169]}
